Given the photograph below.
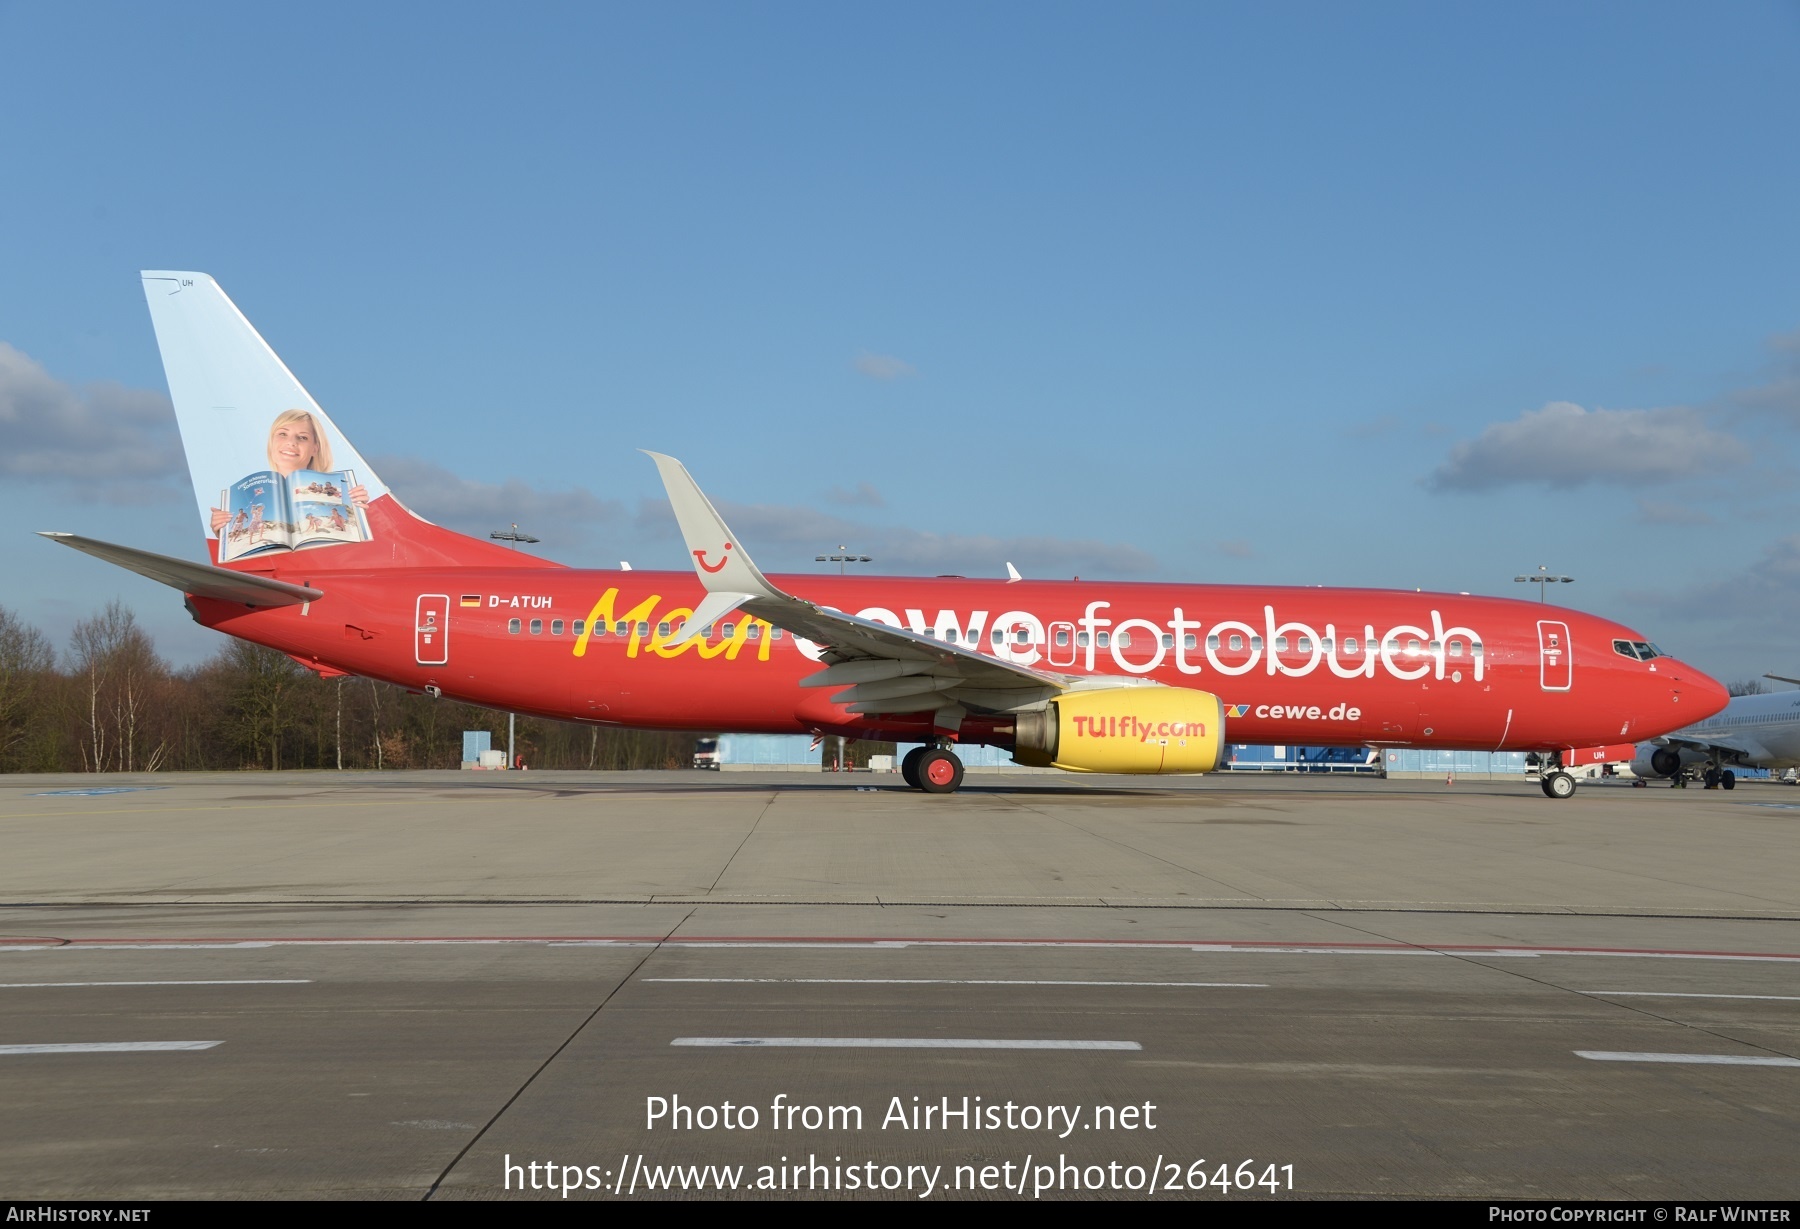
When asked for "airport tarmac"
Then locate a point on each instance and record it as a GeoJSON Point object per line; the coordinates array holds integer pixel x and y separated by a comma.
{"type": "Point", "coordinates": [412, 985]}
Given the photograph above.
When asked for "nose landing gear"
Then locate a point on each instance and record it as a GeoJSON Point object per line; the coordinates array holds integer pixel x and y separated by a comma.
{"type": "Point", "coordinates": [1558, 784]}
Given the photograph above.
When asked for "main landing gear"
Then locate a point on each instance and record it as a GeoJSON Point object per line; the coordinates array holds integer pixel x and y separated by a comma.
{"type": "Point", "coordinates": [1558, 784]}
{"type": "Point", "coordinates": [936, 770]}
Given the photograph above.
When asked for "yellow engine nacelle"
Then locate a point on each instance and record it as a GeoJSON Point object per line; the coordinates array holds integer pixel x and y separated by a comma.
{"type": "Point", "coordinates": [1124, 729]}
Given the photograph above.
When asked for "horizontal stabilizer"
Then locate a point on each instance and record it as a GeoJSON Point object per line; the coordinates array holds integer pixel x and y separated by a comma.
{"type": "Point", "coordinates": [199, 579]}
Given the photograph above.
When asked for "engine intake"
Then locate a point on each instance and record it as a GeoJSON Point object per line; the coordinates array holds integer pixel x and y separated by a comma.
{"type": "Point", "coordinates": [1124, 729]}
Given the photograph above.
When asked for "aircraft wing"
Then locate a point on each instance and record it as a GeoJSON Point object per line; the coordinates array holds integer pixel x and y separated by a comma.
{"type": "Point", "coordinates": [883, 669]}
{"type": "Point", "coordinates": [1733, 747]}
{"type": "Point", "coordinates": [199, 579]}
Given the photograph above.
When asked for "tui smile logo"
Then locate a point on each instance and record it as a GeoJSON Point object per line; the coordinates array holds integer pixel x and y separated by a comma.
{"type": "Point", "coordinates": [1237, 710]}
{"type": "Point", "coordinates": [724, 557]}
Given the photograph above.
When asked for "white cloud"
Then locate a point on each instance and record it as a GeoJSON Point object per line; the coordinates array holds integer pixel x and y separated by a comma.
{"type": "Point", "coordinates": [1747, 616]}
{"type": "Point", "coordinates": [1237, 548]}
{"type": "Point", "coordinates": [1656, 512]}
{"type": "Point", "coordinates": [1563, 445]}
{"type": "Point", "coordinates": [1780, 394]}
{"type": "Point", "coordinates": [774, 532]}
{"type": "Point", "coordinates": [559, 518]}
{"type": "Point", "coordinates": [119, 444]}
{"type": "Point", "coordinates": [864, 496]}
{"type": "Point", "coordinates": [883, 366]}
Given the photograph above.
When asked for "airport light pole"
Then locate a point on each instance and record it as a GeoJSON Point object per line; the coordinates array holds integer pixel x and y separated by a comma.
{"type": "Point", "coordinates": [515, 537]}
{"type": "Point", "coordinates": [511, 535]}
{"type": "Point", "coordinates": [842, 559]}
{"type": "Point", "coordinates": [1541, 578]}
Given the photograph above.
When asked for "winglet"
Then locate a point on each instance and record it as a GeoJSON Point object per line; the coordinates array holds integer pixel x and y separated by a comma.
{"type": "Point", "coordinates": [720, 560]}
{"type": "Point", "coordinates": [730, 581]}
{"type": "Point", "coordinates": [1012, 573]}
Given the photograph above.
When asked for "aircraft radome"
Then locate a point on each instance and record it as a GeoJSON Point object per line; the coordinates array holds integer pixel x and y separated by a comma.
{"type": "Point", "coordinates": [1759, 731]}
{"type": "Point", "coordinates": [313, 555]}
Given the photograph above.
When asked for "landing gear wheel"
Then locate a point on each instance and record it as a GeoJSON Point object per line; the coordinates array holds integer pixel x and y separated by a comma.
{"type": "Point", "coordinates": [1728, 779]}
{"type": "Point", "coordinates": [939, 771]}
{"type": "Point", "coordinates": [1711, 778]}
{"type": "Point", "coordinates": [1559, 785]}
{"type": "Point", "coordinates": [909, 766]}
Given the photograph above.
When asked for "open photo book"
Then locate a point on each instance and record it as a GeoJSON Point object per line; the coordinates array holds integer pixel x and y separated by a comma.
{"type": "Point", "coordinates": [268, 511]}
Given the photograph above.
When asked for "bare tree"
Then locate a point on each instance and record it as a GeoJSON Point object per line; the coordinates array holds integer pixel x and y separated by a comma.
{"type": "Point", "coordinates": [122, 673]}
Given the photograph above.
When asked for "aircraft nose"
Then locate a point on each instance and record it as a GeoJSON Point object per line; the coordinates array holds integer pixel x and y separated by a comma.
{"type": "Point", "coordinates": [1700, 695]}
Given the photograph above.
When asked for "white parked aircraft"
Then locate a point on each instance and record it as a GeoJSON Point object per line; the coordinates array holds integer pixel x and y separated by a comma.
{"type": "Point", "coordinates": [1753, 732]}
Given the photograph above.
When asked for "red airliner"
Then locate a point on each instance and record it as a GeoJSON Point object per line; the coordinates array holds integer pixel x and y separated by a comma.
{"type": "Point", "coordinates": [314, 556]}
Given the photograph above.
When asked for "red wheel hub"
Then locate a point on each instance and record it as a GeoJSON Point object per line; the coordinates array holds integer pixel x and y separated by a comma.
{"type": "Point", "coordinates": [940, 771]}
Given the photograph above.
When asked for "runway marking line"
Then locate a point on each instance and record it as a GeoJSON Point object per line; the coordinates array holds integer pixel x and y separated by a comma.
{"type": "Point", "coordinates": [1673, 994]}
{"type": "Point", "coordinates": [107, 1047]}
{"type": "Point", "coordinates": [939, 981]}
{"type": "Point", "coordinates": [1248, 947]}
{"type": "Point", "coordinates": [95, 793]}
{"type": "Point", "coordinates": [1723, 1060]}
{"type": "Point", "coordinates": [59, 985]}
{"type": "Point", "coordinates": [901, 1043]}
{"type": "Point", "coordinates": [248, 806]}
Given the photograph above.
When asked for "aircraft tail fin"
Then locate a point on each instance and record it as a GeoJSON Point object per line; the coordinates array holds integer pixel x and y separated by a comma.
{"type": "Point", "coordinates": [272, 474]}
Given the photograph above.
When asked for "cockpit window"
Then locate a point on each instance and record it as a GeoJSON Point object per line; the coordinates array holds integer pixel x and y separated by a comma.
{"type": "Point", "coordinates": [1638, 650]}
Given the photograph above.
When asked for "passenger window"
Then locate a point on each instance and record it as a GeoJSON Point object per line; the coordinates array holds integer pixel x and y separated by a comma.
{"type": "Point", "coordinates": [537, 627]}
{"type": "Point", "coordinates": [1021, 637]}
{"type": "Point", "coordinates": [1325, 645]}
{"type": "Point", "coordinates": [1350, 645]}
{"type": "Point", "coordinates": [1081, 638]}
{"type": "Point", "coordinates": [996, 637]}
{"type": "Point", "coordinates": [580, 627]}
{"type": "Point", "coordinates": [1189, 642]}
{"type": "Point", "coordinates": [623, 628]}
{"type": "Point", "coordinates": [1281, 644]}
{"type": "Point", "coordinates": [662, 629]}
{"type": "Point", "coordinates": [1393, 646]}
{"type": "Point", "coordinates": [1256, 642]}
{"type": "Point", "coordinates": [775, 633]}
{"type": "Point", "coordinates": [1412, 647]}
{"type": "Point", "coordinates": [556, 627]}
{"type": "Point", "coordinates": [1237, 642]}
{"type": "Point", "coordinates": [726, 629]}
{"type": "Point", "coordinates": [1168, 640]}
{"type": "Point", "coordinates": [512, 625]}
{"type": "Point", "coordinates": [1456, 648]}
{"type": "Point", "coordinates": [643, 630]}
{"type": "Point", "coordinates": [950, 635]}
{"type": "Point", "coordinates": [1104, 639]}
{"type": "Point", "coordinates": [1304, 645]}
{"type": "Point", "coordinates": [1062, 638]}
{"type": "Point", "coordinates": [1475, 648]}
{"type": "Point", "coordinates": [1433, 647]}
{"type": "Point", "coordinates": [707, 631]}
{"type": "Point", "coordinates": [1124, 639]}
{"type": "Point", "coordinates": [756, 631]}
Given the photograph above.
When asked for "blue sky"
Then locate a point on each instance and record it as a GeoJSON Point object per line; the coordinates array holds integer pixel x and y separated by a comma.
{"type": "Point", "coordinates": [1396, 294]}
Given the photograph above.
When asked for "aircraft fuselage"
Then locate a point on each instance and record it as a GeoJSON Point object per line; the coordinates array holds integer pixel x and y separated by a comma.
{"type": "Point", "coordinates": [1291, 665]}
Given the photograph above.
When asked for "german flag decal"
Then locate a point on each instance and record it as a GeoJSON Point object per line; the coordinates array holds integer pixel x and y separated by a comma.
{"type": "Point", "coordinates": [471, 599]}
